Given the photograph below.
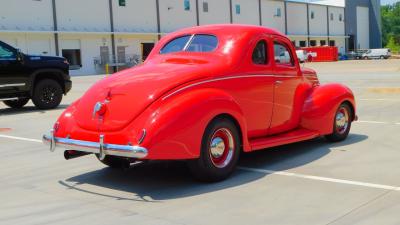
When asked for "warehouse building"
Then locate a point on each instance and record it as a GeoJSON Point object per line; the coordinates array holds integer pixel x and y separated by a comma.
{"type": "Point", "coordinates": [93, 33]}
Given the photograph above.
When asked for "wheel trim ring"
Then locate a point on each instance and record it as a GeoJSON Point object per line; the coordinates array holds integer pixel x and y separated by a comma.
{"type": "Point", "coordinates": [342, 120]}
{"type": "Point", "coordinates": [229, 145]}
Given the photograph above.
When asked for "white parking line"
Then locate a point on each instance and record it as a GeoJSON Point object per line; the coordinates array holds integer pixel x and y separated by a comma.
{"type": "Point", "coordinates": [374, 122]}
{"type": "Point", "coordinates": [282, 173]}
{"type": "Point", "coordinates": [326, 179]}
{"type": "Point", "coordinates": [379, 99]}
{"type": "Point", "coordinates": [20, 138]}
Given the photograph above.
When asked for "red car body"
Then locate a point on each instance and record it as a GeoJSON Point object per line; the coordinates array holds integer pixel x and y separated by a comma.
{"type": "Point", "coordinates": [165, 105]}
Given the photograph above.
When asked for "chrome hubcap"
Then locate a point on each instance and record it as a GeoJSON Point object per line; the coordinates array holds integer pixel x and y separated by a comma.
{"type": "Point", "coordinates": [342, 120]}
{"type": "Point", "coordinates": [217, 147]}
{"type": "Point", "coordinates": [221, 148]}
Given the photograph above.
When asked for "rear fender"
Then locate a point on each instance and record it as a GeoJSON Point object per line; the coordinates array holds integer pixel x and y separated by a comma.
{"type": "Point", "coordinates": [321, 105]}
{"type": "Point", "coordinates": [175, 125]}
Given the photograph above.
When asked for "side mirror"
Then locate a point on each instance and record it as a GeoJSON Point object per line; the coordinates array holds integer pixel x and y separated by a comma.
{"type": "Point", "coordinates": [20, 55]}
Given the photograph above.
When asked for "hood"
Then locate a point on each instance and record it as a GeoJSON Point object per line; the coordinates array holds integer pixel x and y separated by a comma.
{"type": "Point", "coordinates": [128, 93]}
{"type": "Point", "coordinates": [44, 58]}
{"type": "Point", "coordinates": [310, 75]}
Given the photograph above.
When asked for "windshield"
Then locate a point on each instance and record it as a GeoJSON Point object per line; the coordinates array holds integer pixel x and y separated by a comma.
{"type": "Point", "coordinates": [191, 43]}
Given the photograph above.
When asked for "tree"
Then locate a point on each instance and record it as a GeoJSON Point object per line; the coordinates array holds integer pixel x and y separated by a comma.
{"type": "Point", "coordinates": [391, 26]}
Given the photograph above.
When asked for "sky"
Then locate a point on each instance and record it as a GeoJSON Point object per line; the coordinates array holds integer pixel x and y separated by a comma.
{"type": "Point", "coordinates": [384, 2]}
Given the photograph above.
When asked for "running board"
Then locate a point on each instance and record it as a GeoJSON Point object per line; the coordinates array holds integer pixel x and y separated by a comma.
{"type": "Point", "coordinates": [283, 139]}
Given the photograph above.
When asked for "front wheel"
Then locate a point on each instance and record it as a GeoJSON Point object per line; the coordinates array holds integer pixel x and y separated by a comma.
{"type": "Point", "coordinates": [341, 124]}
{"type": "Point", "coordinates": [16, 104]}
{"type": "Point", "coordinates": [47, 94]}
{"type": "Point", "coordinates": [220, 151]}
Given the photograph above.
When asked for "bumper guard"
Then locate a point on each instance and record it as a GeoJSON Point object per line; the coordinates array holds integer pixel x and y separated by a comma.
{"type": "Point", "coordinates": [100, 147]}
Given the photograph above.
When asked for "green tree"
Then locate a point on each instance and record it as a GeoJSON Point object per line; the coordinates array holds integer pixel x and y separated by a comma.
{"type": "Point", "coordinates": [391, 25]}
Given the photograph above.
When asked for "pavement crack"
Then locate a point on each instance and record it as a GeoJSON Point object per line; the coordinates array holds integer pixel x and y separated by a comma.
{"type": "Point", "coordinates": [360, 206]}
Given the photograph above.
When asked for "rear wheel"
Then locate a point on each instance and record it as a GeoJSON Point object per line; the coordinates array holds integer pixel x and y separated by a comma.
{"type": "Point", "coordinates": [220, 151]}
{"type": "Point", "coordinates": [16, 104]}
{"type": "Point", "coordinates": [47, 94]}
{"type": "Point", "coordinates": [341, 124]}
{"type": "Point", "coordinates": [366, 57]}
{"type": "Point", "coordinates": [382, 57]}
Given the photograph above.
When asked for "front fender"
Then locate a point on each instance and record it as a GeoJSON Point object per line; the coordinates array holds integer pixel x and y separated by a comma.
{"type": "Point", "coordinates": [321, 105]}
{"type": "Point", "coordinates": [175, 125]}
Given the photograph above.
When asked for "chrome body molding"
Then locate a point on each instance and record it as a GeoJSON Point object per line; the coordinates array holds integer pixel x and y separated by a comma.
{"type": "Point", "coordinates": [224, 78]}
{"type": "Point", "coordinates": [100, 147]}
{"type": "Point", "coordinates": [12, 85]}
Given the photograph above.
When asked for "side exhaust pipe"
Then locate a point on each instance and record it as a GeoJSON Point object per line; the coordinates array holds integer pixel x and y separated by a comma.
{"type": "Point", "coordinates": [71, 154]}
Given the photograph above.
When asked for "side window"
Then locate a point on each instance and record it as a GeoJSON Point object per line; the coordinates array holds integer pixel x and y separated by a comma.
{"type": "Point", "coordinates": [6, 53]}
{"type": "Point", "coordinates": [175, 45]}
{"type": "Point", "coordinates": [282, 55]}
{"type": "Point", "coordinates": [259, 53]}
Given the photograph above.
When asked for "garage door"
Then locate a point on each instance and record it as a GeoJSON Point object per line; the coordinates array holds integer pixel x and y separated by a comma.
{"type": "Point", "coordinates": [39, 47]}
{"type": "Point", "coordinates": [362, 27]}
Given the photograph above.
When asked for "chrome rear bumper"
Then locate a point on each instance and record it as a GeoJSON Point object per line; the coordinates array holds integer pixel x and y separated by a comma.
{"type": "Point", "coordinates": [100, 147]}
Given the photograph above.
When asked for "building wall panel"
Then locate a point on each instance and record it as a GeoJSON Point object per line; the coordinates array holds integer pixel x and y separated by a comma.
{"type": "Point", "coordinates": [318, 24]}
{"type": "Point", "coordinates": [136, 16]}
{"type": "Point", "coordinates": [297, 18]}
{"type": "Point", "coordinates": [31, 15]}
{"type": "Point", "coordinates": [271, 16]}
{"type": "Point", "coordinates": [173, 15]}
{"type": "Point", "coordinates": [249, 12]}
{"type": "Point", "coordinates": [218, 12]}
{"type": "Point", "coordinates": [83, 16]}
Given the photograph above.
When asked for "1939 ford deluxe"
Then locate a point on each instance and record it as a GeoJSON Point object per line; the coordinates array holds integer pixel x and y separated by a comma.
{"type": "Point", "coordinates": [204, 95]}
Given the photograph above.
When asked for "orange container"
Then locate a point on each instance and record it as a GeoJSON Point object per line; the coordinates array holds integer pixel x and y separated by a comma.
{"type": "Point", "coordinates": [323, 53]}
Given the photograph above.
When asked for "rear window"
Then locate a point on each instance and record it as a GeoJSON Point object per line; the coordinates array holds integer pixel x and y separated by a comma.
{"type": "Point", "coordinates": [196, 43]}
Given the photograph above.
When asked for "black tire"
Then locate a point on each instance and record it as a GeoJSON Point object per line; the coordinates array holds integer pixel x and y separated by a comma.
{"type": "Point", "coordinates": [382, 57]}
{"type": "Point", "coordinates": [47, 94]}
{"type": "Point", "coordinates": [209, 167]}
{"type": "Point", "coordinates": [115, 162]}
{"type": "Point", "coordinates": [16, 104]}
{"type": "Point", "coordinates": [366, 57]}
{"type": "Point", "coordinates": [340, 131]}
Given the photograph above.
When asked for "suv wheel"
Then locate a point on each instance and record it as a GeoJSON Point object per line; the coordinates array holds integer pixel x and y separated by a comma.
{"type": "Point", "coordinates": [47, 94]}
{"type": "Point", "coordinates": [16, 104]}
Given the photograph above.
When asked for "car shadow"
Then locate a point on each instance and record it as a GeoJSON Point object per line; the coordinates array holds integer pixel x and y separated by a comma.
{"type": "Point", "coordinates": [165, 180]}
{"type": "Point", "coordinates": [27, 110]}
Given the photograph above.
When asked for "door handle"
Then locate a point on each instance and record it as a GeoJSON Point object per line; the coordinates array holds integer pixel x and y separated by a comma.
{"type": "Point", "coordinates": [278, 82]}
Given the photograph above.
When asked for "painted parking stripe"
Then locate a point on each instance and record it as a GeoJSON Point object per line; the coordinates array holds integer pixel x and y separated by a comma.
{"type": "Point", "coordinates": [272, 172]}
{"type": "Point", "coordinates": [374, 122]}
{"type": "Point", "coordinates": [380, 99]}
{"type": "Point", "coordinates": [21, 138]}
{"type": "Point", "coordinates": [326, 179]}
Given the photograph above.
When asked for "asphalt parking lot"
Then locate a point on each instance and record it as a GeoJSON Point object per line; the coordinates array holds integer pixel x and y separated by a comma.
{"type": "Point", "coordinates": [313, 182]}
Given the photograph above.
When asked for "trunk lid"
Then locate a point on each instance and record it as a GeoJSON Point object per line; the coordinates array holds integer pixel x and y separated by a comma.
{"type": "Point", "coordinates": [128, 93]}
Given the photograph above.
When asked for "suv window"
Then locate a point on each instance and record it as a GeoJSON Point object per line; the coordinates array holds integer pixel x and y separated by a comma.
{"type": "Point", "coordinates": [282, 55]}
{"type": "Point", "coordinates": [197, 43]}
{"type": "Point", "coordinates": [259, 53]}
{"type": "Point", "coordinates": [6, 53]}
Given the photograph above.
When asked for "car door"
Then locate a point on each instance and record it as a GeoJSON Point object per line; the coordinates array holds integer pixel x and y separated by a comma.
{"type": "Point", "coordinates": [287, 80]}
{"type": "Point", "coordinates": [257, 88]}
{"type": "Point", "coordinates": [11, 79]}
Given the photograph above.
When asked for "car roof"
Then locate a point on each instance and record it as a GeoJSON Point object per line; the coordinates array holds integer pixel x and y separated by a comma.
{"type": "Point", "coordinates": [221, 29]}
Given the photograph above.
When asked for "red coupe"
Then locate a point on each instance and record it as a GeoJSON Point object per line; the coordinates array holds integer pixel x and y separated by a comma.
{"type": "Point", "coordinates": [204, 95]}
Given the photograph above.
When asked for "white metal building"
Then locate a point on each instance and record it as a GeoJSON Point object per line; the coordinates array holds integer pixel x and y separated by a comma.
{"type": "Point", "coordinates": [89, 32]}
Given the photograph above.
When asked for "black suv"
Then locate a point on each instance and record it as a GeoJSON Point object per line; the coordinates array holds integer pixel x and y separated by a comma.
{"type": "Point", "coordinates": [44, 79]}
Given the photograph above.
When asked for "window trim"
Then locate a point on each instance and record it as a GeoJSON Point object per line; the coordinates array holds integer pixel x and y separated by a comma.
{"type": "Point", "coordinates": [292, 60]}
{"type": "Point", "coordinates": [267, 58]}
